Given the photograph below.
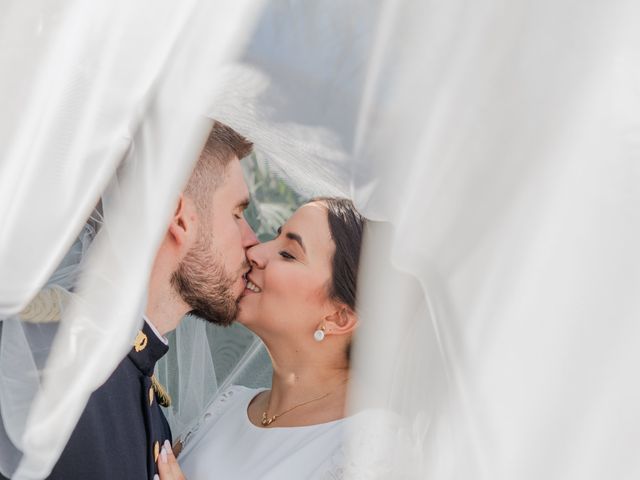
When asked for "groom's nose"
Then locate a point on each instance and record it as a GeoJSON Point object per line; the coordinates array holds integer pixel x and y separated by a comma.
{"type": "Point", "coordinates": [248, 236]}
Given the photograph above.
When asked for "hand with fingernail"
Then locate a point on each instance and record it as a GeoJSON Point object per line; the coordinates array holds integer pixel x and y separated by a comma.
{"type": "Point", "coordinates": [168, 465]}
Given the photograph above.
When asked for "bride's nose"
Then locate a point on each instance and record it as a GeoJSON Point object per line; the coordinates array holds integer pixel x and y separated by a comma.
{"type": "Point", "coordinates": [257, 255]}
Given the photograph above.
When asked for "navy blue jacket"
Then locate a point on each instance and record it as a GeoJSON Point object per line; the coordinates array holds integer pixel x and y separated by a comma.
{"type": "Point", "coordinates": [122, 428]}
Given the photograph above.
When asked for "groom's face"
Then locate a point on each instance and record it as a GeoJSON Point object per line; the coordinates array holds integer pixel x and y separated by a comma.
{"type": "Point", "coordinates": [211, 276]}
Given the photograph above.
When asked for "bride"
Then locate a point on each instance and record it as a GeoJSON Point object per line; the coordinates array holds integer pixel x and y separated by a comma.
{"type": "Point", "coordinates": [300, 300]}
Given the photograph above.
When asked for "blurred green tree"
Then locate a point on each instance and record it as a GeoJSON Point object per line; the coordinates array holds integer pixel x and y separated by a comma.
{"type": "Point", "coordinates": [272, 200]}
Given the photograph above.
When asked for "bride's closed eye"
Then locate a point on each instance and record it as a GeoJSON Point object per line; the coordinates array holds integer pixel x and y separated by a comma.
{"type": "Point", "coordinates": [286, 255]}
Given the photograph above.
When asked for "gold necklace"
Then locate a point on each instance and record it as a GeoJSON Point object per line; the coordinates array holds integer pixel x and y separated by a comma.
{"type": "Point", "coordinates": [266, 421]}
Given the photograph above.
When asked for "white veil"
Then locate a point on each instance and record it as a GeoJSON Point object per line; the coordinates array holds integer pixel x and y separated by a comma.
{"type": "Point", "coordinates": [496, 144]}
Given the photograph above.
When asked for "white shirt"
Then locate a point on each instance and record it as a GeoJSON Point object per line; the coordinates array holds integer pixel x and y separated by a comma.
{"type": "Point", "coordinates": [226, 445]}
{"type": "Point", "coordinates": [155, 330]}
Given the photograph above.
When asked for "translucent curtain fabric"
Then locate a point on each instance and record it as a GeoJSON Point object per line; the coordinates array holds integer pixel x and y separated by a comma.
{"type": "Point", "coordinates": [25, 343]}
{"type": "Point", "coordinates": [514, 204]}
{"type": "Point", "coordinates": [496, 146]}
{"type": "Point", "coordinates": [204, 359]}
{"type": "Point", "coordinates": [110, 85]}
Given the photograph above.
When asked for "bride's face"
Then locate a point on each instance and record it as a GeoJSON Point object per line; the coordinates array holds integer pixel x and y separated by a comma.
{"type": "Point", "coordinates": [287, 292]}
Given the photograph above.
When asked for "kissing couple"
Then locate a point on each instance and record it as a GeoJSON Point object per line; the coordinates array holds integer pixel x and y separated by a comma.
{"type": "Point", "coordinates": [296, 292]}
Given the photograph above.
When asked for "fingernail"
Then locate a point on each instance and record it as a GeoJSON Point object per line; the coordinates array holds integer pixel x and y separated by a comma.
{"type": "Point", "coordinates": [163, 455]}
{"type": "Point", "coordinates": [167, 445]}
{"type": "Point", "coordinates": [156, 477]}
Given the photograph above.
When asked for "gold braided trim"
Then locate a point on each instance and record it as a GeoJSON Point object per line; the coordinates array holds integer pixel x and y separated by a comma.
{"type": "Point", "coordinates": [47, 306]}
{"type": "Point", "coordinates": [164, 398]}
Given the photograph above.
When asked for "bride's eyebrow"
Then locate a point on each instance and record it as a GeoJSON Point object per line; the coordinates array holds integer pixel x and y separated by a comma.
{"type": "Point", "coordinates": [293, 236]}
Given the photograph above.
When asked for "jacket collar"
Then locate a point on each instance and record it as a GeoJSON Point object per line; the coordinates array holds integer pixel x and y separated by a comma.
{"type": "Point", "coordinates": [147, 350]}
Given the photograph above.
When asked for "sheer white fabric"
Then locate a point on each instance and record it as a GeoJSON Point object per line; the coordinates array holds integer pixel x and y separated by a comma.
{"type": "Point", "coordinates": [499, 140]}
{"type": "Point", "coordinates": [204, 359]}
{"type": "Point", "coordinates": [25, 342]}
{"type": "Point", "coordinates": [110, 80]}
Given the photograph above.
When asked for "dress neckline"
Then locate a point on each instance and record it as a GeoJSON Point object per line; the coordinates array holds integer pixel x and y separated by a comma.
{"type": "Point", "coordinates": [254, 393]}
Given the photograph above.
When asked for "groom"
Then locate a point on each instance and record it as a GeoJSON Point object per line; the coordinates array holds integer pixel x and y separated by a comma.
{"type": "Point", "coordinates": [199, 268]}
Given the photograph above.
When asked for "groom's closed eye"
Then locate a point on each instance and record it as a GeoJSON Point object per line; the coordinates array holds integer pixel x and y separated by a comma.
{"type": "Point", "coordinates": [240, 208]}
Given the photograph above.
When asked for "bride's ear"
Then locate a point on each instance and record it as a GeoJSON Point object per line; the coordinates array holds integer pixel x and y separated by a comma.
{"type": "Point", "coordinates": [342, 321]}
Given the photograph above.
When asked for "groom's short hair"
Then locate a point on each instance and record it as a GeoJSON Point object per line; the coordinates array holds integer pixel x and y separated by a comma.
{"type": "Point", "coordinates": [223, 145]}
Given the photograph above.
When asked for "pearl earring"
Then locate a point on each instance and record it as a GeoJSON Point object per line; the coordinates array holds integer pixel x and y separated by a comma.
{"type": "Point", "coordinates": [318, 335]}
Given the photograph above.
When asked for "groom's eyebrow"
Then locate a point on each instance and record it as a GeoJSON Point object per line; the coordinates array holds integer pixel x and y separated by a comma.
{"type": "Point", "coordinates": [295, 237]}
{"type": "Point", "coordinates": [243, 204]}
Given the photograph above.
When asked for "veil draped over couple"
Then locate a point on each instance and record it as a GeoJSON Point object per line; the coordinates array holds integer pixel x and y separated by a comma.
{"type": "Point", "coordinates": [481, 323]}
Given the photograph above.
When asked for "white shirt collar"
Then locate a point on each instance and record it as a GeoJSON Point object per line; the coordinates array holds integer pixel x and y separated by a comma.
{"type": "Point", "coordinates": [155, 330]}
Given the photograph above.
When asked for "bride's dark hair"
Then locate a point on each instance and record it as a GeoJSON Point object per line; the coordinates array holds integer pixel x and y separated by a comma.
{"type": "Point", "coordinates": [347, 227]}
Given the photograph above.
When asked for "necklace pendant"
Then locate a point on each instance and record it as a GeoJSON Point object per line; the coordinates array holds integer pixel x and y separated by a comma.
{"type": "Point", "coordinates": [267, 421]}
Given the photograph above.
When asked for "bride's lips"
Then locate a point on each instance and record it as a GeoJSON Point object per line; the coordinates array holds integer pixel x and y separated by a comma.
{"type": "Point", "coordinates": [251, 286]}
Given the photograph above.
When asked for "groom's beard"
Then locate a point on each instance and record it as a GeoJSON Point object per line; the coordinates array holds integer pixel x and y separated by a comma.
{"type": "Point", "coordinates": [205, 286]}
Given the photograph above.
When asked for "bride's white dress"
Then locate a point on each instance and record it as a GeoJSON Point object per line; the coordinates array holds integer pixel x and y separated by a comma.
{"type": "Point", "coordinates": [225, 444]}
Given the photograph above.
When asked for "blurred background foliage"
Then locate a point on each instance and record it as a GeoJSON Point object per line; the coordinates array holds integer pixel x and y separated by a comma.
{"type": "Point", "coordinates": [272, 200]}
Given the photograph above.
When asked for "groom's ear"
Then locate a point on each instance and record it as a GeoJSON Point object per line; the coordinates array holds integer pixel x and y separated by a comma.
{"type": "Point", "coordinates": [343, 320]}
{"type": "Point", "coordinates": [183, 221]}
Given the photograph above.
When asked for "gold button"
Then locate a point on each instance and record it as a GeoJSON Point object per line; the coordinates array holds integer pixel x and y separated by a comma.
{"type": "Point", "coordinates": [150, 396]}
{"type": "Point", "coordinates": [156, 451]}
{"type": "Point", "coordinates": [141, 341]}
